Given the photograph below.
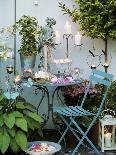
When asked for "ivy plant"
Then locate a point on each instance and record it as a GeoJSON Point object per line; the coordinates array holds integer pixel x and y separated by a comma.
{"type": "Point", "coordinates": [97, 19]}
{"type": "Point", "coordinates": [17, 119]}
{"type": "Point", "coordinates": [28, 29]}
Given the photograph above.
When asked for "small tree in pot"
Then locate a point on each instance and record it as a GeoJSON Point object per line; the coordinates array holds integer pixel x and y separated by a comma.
{"type": "Point", "coordinates": [27, 27]}
{"type": "Point", "coordinates": [96, 18]}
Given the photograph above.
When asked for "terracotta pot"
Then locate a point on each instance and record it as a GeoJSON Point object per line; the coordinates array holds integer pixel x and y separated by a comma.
{"type": "Point", "coordinates": [94, 134]}
{"type": "Point", "coordinates": [71, 140]}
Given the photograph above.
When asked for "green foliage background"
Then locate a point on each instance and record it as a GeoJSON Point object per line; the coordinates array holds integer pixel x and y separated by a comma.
{"type": "Point", "coordinates": [97, 18]}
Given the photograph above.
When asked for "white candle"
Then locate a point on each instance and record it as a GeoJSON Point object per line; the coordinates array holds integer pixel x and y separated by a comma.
{"type": "Point", "coordinates": [67, 28]}
{"type": "Point", "coordinates": [107, 139]}
{"type": "Point", "coordinates": [67, 60]}
{"type": "Point", "coordinates": [29, 70]}
{"type": "Point", "coordinates": [106, 64]}
{"type": "Point", "coordinates": [61, 61]}
{"type": "Point", "coordinates": [37, 75]}
{"type": "Point", "coordinates": [56, 61]}
{"type": "Point", "coordinates": [17, 78]}
{"type": "Point", "coordinates": [36, 2]}
{"type": "Point", "coordinates": [78, 38]}
{"type": "Point", "coordinates": [93, 67]}
{"type": "Point", "coordinates": [57, 37]}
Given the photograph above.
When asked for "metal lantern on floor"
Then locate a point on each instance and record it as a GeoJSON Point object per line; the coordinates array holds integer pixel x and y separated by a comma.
{"type": "Point", "coordinates": [107, 133]}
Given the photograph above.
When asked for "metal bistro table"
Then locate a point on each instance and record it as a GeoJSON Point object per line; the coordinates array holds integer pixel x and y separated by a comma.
{"type": "Point", "coordinates": [50, 89]}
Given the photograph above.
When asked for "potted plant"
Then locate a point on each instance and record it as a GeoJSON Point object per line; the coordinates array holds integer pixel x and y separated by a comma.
{"type": "Point", "coordinates": [17, 119]}
{"type": "Point", "coordinates": [27, 27]}
{"type": "Point", "coordinates": [73, 95]}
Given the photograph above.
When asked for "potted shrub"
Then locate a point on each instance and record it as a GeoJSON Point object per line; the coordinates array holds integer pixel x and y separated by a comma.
{"type": "Point", "coordinates": [96, 18]}
{"type": "Point", "coordinates": [17, 119]}
{"type": "Point", "coordinates": [27, 27]}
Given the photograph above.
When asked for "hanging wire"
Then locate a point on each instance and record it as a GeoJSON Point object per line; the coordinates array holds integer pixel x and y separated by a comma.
{"type": "Point", "coordinates": [93, 45]}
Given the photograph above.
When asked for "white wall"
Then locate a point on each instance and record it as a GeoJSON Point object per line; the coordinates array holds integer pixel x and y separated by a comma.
{"type": "Point", "coordinates": [49, 8]}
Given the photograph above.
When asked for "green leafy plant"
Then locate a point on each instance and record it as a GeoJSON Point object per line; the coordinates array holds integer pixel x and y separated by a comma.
{"type": "Point", "coordinates": [96, 18]}
{"type": "Point", "coordinates": [111, 98]}
{"type": "Point", "coordinates": [17, 119]}
{"type": "Point", "coordinates": [92, 104]}
{"type": "Point", "coordinates": [28, 29]}
{"type": "Point", "coordinates": [110, 102]}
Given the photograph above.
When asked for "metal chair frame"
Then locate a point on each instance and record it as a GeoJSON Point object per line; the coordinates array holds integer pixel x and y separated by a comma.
{"type": "Point", "coordinates": [71, 112]}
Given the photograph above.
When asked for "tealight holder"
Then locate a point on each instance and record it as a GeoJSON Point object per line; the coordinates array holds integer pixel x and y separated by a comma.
{"type": "Point", "coordinates": [9, 69]}
{"type": "Point", "coordinates": [78, 40]}
{"type": "Point", "coordinates": [41, 76]}
{"type": "Point", "coordinates": [105, 63]}
{"type": "Point", "coordinates": [27, 73]}
{"type": "Point", "coordinates": [63, 66]}
{"type": "Point", "coordinates": [93, 67]}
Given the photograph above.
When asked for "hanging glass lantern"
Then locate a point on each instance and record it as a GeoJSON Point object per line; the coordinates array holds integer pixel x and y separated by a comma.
{"type": "Point", "coordinates": [107, 133]}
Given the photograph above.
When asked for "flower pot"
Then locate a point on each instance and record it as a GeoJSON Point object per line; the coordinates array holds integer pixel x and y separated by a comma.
{"type": "Point", "coordinates": [71, 140]}
{"type": "Point", "coordinates": [27, 62]}
{"type": "Point", "coordinates": [94, 133]}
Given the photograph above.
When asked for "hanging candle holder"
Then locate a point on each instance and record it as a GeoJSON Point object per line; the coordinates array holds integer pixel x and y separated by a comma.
{"type": "Point", "coordinates": [93, 60]}
{"type": "Point", "coordinates": [105, 63]}
{"type": "Point", "coordinates": [78, 40]}
{"type": "Point", "coordinates": [9, 69]}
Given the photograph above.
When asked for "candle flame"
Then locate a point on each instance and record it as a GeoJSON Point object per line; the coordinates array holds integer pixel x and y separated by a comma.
{"type": "Point", "coordinates": [17, 78]}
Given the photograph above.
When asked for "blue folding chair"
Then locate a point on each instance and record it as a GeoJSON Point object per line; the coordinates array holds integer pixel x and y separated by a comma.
{"type": "Point", "coordinates": [98, 77]}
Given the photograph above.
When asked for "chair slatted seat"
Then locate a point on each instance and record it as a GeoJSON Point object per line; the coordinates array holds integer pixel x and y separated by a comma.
{"type": "Point", "coordinates": [71, 112]}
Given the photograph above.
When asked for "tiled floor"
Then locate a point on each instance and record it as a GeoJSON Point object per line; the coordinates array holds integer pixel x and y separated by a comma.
{"type": "Point", "coordinates": [82, 151]}
{"type": "Point", "coordinates": [86, 151]}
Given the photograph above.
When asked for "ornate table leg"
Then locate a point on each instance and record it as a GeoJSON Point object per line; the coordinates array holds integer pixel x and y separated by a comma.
{"type": "Point", "coordinates": [51, 91]}
{"type": "Point", "coordinates": [43, 90]}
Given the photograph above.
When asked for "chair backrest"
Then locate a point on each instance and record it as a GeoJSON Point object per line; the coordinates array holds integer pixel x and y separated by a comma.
{"type": "Point", "coordinates": [99, 77]}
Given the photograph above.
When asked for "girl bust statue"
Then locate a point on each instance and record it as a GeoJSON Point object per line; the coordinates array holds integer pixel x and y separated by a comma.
{"type": "Point", "coordinates": [46, 41]}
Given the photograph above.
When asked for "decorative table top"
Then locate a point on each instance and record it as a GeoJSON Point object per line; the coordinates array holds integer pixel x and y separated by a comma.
{"type": "Point", "coordinates": [48, 84]}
